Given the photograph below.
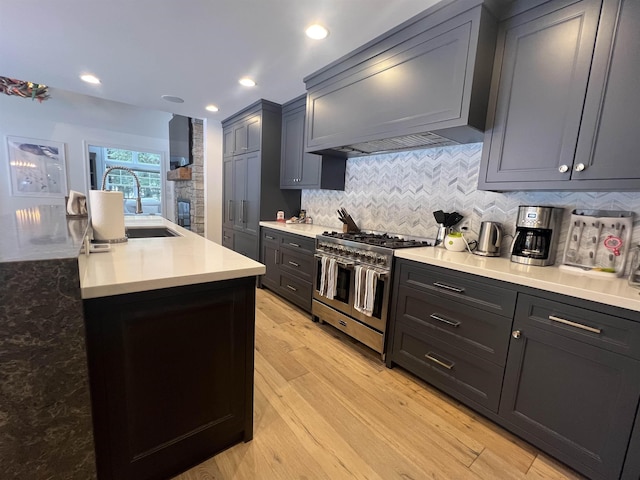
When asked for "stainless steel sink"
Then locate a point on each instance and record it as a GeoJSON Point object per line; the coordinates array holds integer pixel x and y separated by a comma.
{"type": "Point", "coordinates": [150, 232]}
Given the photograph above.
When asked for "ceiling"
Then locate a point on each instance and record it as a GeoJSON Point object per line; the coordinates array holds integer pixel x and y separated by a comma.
{"type": "Point", "coordinates": [193, 49]}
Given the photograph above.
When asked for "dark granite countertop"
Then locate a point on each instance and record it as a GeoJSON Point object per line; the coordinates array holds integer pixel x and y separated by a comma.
{"type": "Point", "coordinates": [40, 233]}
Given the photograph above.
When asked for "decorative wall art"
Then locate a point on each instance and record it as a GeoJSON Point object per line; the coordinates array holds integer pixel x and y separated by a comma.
{"type": "Point", "coordinates": [37, 167]}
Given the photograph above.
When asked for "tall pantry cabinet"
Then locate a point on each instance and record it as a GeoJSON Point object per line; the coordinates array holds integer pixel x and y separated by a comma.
{"type": "Point", "coordinates": [251, 171]}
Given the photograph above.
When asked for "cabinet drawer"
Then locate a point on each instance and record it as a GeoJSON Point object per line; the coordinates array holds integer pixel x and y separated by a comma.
{"type": "Point", "coordinates": [298, 242]}
{"type": "Point", "coordinates": [477, 292]}
{"type": "Point", "coordinates": [455, 371]}
{"type": "Point", "coordinates": [588, 326]}
{"type": "Point", "coordinates": [482, 333]}
{"type": "Point", "coordinates": [297, 263]}
{"type": "Point", "coordinates": [270, 235]}
{"type": "Point", "coordinates": [296, 290]}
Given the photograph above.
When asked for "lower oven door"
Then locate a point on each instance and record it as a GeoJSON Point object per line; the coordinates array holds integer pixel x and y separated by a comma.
{"type": "Point", "coordinates": [378, 318]}
{"type": "Point", "coordinates": [343, 300]}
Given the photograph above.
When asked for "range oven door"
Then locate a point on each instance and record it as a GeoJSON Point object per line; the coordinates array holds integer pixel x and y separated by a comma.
{"type": "Point", "coordinates": [378, 318]}
{"type": "Point", "coordinates": [343, 300]}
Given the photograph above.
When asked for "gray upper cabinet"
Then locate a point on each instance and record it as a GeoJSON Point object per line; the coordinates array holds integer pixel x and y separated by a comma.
{"type": "Point", "coordinates": [242, 137]}
{"type": "Point", "coordinates": [299, 169]}
{"type": "Point", "coordinates": [608, 141]}
{"type": "Point", "coordinates": [561, 111]}
{"type": "Point", "coordinates": [429, 74]}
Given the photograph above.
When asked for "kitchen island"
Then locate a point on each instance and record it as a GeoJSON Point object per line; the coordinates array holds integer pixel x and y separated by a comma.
{"type": "Point", "coordinates": [136, 362]}
{"type": "Point", "coordinates": [170, 339]}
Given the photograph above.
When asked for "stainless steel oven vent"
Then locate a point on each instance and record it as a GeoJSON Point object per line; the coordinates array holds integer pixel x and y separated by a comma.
{"type": "Point", "coordinates": [406, 142]}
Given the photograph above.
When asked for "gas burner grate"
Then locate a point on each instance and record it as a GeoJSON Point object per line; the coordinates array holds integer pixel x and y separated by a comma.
{"type": "Point", "coordinates": [378, 239]}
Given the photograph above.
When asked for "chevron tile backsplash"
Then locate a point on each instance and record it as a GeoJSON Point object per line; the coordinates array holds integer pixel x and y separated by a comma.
{"type": "Point", "coordinates": [397, 193]}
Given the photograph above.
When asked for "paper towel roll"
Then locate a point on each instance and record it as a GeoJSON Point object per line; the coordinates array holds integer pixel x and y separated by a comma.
{"type": "Point", "coordinates": [107, 215]}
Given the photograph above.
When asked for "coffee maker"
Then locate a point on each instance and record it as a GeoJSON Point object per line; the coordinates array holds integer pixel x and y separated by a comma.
{"type": "Point", "coordinates": [535, 241]}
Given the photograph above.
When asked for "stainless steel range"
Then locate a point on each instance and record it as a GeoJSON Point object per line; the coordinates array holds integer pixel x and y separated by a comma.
{"type": "Point", "coordinates": [352, 285]}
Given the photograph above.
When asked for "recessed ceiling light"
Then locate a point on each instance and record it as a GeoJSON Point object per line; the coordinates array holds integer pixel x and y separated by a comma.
{"type": "Point", "coordinates": [172, 99]}
{"type": "Point", "coordinates": [247, 82]}
{"type": "Point", "coordinates": [316, 31]}
{"type": "Point", "coordinates": [211, 108]}
{"type": "Point", "coordinates": [90, 78]}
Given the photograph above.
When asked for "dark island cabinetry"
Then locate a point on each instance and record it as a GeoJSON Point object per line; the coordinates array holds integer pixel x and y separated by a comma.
{"type": "Point", "coordinates": [558, 371]}
{"type": "Point", "coordinates": [171, 375]}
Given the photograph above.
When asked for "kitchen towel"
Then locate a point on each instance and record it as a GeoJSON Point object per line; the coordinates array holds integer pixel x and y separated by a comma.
{"type": "Point", "coordinates": [107, 215]}
{"type": "Point", "coordinates": [328, 277]}
{"type": "Point", "coordinates": [366, 281]}
{"type": "Point", "coordinates": [332, 278]}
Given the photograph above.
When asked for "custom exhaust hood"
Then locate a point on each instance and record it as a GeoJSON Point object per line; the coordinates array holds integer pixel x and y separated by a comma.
{"type": "Point", "coordinates": [422, 84]}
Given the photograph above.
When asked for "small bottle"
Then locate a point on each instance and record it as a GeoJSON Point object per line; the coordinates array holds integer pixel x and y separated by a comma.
{"type": "Point", "coordinates": [634, 267]}
{"type": "Point", "coordinates": [280, 216]}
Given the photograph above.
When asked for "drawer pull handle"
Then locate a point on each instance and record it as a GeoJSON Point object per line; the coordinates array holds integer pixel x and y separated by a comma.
{"type": "Point", "coordinates": [447, 365]}
{"type": "Point", "coordinates": [574, 324]}
{"type": "Point", "coordinates": [292, 288]}
{"type": "Point", "coordinates": [453, 323]}
{"type": "Point", "coordinates": [269, 237]}
{"type": "Point", "coordinates": [294, 244]}
{"type": "Point", "coordinates": [343, 323]}
{"type": "Point", "coordinates": [448, 287]}
{"type": "Point", "coordinates": [294, 263]}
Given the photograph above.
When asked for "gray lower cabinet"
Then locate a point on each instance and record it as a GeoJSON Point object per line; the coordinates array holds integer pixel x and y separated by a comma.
{"type": "Point", "coordinates": [289, 259]}
{"type": "Point", "coordinates": [564, 95]}
{"type": "Point", "coordinates": [227, 238]}
{"type": "Point", "coordinates": [560, 372]}
{"type": "Point", "coordinates": [302, 170]}
{"type": "Point", "coordinates": [571, 385]}
{"type": "Point", "coordinates": [251, 180]}
{"type": "Point", "coordinates": [451, 330]}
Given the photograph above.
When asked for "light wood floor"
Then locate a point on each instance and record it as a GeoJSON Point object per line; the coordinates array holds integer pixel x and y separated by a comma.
{"type": "Point", "coordinates": [327, 408]}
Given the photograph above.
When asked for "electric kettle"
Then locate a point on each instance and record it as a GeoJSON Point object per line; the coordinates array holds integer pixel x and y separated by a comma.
{"type": "Point", "coordinates": [489, 240]}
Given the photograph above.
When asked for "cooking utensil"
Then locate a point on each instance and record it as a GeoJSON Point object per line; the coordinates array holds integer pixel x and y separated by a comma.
{"type": "Point", "coordinates": [453, 219]}
{"type": "Point", "coordinates": [440, 216]}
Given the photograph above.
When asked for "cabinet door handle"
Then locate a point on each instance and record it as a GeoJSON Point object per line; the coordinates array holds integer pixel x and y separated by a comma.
{"type": "Point", "coordinates": [243, 206]}
{"type": "Point", "coordinates": [292, 288]}
{"type": "Point", "coordinates": [230, 210]}
{"type": "Point", "coordinates": [448, 287]}
{"type": "Point", "coordinates": [445, 364]}
{"type": "Point", "coordinates": [516, 334]}
{"type": "Point", "coordinates": [553, 318]}
{"type": "Point", "coordinates": [275, 257]}
{"type": "Point", "coordinates": [294, 245]}
{"type": "Point", "coordinates": [294, 264]}
{"type": "Point", "coordinates": [269, 237]}
{"type": "Point", "coordinates": [453, 323]}
{"type": "Point", "coordinates": [579, 167]}
{"type": "Point", "coordinates": [563, 168]}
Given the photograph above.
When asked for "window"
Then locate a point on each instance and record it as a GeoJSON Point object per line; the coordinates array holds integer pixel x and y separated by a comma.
{"type": "Point", "coordinates": [146, 165]}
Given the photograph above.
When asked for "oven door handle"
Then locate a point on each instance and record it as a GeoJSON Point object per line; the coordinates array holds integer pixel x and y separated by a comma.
{"type": "Point", "coordinates": [341, 263]}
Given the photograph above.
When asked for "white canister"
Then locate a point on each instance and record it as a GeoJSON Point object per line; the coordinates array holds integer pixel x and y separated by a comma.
{"type": "Point", "coordinates": [454, 241]}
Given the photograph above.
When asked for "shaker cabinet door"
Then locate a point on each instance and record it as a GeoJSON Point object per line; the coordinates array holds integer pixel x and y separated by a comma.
{"type": "Point", "coordinates": [539, 85]}
{"type": "Point", "coordinates": [609, 134]}
{"type": "Point", "coordinates": [573, 400]}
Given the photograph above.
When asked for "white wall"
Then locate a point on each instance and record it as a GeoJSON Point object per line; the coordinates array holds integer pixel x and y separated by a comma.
{"type": "Point", "coordinates": [213, 180]}
{"type": "Point", "coordinates": [77, 120]}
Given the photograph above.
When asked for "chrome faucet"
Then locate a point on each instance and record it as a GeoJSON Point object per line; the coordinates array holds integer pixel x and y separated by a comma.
{"type": "Point", "coordinates": [126, 169]}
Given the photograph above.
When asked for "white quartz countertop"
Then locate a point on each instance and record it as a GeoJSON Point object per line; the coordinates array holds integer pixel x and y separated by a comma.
{"type": "Point", "coordinates": [305, 229]}
{"type": "Point", "coordinates": [152, 263]}
{"type": "Point", "coordinates": [607, 290]}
